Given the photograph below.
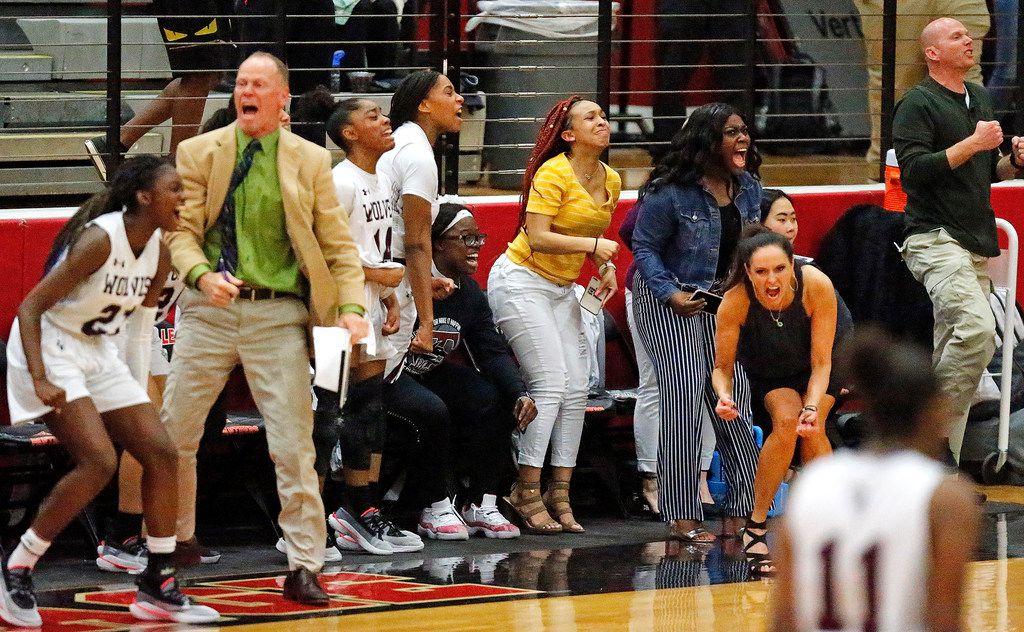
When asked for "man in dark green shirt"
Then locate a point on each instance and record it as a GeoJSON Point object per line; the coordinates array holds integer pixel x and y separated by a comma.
{"type": "Point", "coordinates": [947, 143]}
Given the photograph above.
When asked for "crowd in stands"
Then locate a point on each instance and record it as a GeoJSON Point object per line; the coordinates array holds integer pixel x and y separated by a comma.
{"type": "Point", "coordinates": [262, 238]}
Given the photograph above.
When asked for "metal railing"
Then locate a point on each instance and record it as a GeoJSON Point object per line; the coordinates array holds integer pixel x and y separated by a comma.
{"type": "Point", "coordinates": [626, 55]}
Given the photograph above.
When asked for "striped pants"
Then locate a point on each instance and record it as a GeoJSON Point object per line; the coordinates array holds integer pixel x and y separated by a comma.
{"type": "Point", "coordinates": [683, 352]}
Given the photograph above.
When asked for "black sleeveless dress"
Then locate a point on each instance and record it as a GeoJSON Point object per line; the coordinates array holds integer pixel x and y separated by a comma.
{"type": "Point", "coordinates": [775, 349]}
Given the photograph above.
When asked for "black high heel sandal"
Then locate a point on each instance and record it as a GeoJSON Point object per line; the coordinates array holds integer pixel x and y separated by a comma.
{"type": "Point", "coordinates": [757, 562]}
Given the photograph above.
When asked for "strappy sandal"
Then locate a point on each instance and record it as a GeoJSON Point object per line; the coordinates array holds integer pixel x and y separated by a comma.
{"type": "Point", "coordinates": [528, 504]}
{"type": "Point", "coordinates": [556, 499]}
{"type": "Point", "coordinates": [759, 564]}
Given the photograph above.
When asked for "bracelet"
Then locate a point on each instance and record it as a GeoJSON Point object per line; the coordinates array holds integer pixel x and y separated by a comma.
{"type": "Point", "coordinates": [605, 266]}
{"type": "Point", "coordinates": [594, 251]}
{"type": "Point", "coordinates": [810, 408]}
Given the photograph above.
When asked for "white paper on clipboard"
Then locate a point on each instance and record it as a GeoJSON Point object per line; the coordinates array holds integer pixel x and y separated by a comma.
{"type": "Point", "coordinates": [332, 348]}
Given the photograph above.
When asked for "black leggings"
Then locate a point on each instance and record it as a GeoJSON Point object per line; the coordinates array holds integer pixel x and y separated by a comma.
{"type": "Point", "coordinates": [454, 402]}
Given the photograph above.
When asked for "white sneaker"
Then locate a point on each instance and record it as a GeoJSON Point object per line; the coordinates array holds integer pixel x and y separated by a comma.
{"type": "Point", "coordinates": [130, 556]}
{"type": "Point", "coordinates": [440, 521]}
{"type": "Point", "coordinates": [366, 530]}
{"type": "Point", "coordinates": [331, 553]}
{"type": "Point", "coordinates": [17, 597]}
{"type": "Point", "coordinates": [401, 541]}
{"type": "Point", "coordinates": [167, 603]}
{"type": "Point", "coordinates": [487, 520]}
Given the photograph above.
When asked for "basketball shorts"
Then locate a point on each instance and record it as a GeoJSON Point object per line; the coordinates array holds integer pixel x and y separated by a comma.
{"type": "Point", "coordinates": [197, 40]}
{"type": "Point", "coordinates": [83, 367]}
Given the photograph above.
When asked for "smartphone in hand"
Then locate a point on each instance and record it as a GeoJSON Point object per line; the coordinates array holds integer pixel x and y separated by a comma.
{"type": "Point", "coordinates": [711, 301]}
{"type": "Point", "coordinates": [590, 301]}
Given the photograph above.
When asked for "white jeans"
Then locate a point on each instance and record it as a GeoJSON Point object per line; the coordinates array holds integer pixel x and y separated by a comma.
{"type": "Point", "coordinates": [542, 323]}
{"type": "Point", "coordinates": [647, 413]}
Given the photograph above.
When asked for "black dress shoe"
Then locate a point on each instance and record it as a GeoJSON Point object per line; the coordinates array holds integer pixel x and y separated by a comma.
{"type": "Point", "coordinates": [302, 585]}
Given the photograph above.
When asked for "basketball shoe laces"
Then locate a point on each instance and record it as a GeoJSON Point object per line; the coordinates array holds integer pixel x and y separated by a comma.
{"type": "Point", "coordinates": [19, 586]}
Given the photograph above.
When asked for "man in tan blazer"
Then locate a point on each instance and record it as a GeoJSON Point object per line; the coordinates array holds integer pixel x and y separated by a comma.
{"type": "Point", "coordinates": [265, 252]}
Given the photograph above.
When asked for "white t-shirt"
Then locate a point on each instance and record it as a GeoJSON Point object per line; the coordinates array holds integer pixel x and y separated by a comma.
{"type": "Point", "coordinates": [101, 303]}
{"type": "Point", "coordinates": [411, 170]}
{"type": "Point", "coordinates": [861, 540]}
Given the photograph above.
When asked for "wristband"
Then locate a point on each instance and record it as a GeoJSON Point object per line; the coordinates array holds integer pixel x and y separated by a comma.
{"type": "Point", "coordinates": [594, 251]}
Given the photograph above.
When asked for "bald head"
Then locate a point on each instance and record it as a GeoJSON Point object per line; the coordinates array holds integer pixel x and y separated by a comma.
{"type": "Point", "coordinates": [937, 30]}
{"type": "Point", "coordinates": [947, 47]}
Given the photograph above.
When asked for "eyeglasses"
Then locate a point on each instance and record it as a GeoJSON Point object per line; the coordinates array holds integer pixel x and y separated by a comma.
{"type": "Point", "coordinates": [735, 132]}
{"type": "Point", "coordinates": [471, 241]}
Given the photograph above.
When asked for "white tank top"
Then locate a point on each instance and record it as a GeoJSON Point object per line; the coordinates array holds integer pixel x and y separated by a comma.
{"type": "Point", "coordinates": [859, 525]}
{"type": "Point", "coordinates": [100, 304]}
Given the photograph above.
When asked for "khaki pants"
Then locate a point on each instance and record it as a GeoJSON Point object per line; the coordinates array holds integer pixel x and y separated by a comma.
{"type": "Point", "coordinates": [268, 338]}
{"type": "Point", "coordinates": [911, 18]}
{"type": "Point", "coordinates": [958, 283]}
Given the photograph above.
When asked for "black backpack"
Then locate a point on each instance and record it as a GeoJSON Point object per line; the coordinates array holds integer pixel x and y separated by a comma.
{"type": "Point", "coordinates": [797, 113]}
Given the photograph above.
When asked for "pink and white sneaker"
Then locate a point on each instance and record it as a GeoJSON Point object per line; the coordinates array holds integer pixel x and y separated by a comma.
{"type": "Point", "coordinates": [440, 521]}
{"type": "Point", "coordinates": [487, 520]}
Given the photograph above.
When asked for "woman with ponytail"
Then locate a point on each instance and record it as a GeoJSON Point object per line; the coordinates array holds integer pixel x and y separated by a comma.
{"type": "Point", "coordinates": [694, 204]}
{"type": "Point", "coordinates": [424, 106]}
{"type": "Point", "coordinates": [878, 538]}
{"type": "Point", "coordinates": [568, 197]}
{"type": "Point", "coordinates": [779, 319]}
{"type": "Point", "coordinates": [107, 264]}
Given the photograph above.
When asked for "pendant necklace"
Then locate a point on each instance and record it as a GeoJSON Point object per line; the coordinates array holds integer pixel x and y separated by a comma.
{"type": "Point", "coordinates": [588, 176]}
{"type": "Point", "coordinates": [777, 319]}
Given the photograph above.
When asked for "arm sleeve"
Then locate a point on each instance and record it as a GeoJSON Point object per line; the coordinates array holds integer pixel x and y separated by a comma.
{"type": "Point", "coordinates": [914, 140]}
{"type": "Point", "coordinates": [139, 333]}
{"type": "Point", "coordinates": [185, 243]}
{"type": "Point", "coordinates": [488, 346]}
{"type": "Point", "coordinates": [655, 226]}
{"type": "Point", "coordinates": [547, 193]}
{"type": "Point", "coordinates": [419, 173]}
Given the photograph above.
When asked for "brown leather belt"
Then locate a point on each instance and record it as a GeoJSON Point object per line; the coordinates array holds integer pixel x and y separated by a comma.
{"type": "Point", "coordinates": [261, 293]}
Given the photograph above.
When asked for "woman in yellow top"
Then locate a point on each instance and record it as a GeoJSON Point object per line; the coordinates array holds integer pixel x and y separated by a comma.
{"type": "Point", "coordinates": [566, 205]}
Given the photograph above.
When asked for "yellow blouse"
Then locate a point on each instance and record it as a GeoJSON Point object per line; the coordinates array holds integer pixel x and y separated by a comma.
{"type": "Point", "coordinates": [557, 192]}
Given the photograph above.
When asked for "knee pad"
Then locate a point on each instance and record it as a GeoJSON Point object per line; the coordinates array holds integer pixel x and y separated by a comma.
{"type": "Point", "coordinates": [360, 420]}
{"type": "Point", "coordinates": [325, 435]}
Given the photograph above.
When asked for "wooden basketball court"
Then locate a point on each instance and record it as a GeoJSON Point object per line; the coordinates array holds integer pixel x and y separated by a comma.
{"type": "Point", "coordinates": [635, 582]}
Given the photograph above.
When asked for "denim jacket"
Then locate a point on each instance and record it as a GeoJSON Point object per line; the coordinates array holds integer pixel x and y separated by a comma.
{"type": "Point", "coordinates": [678, 233]}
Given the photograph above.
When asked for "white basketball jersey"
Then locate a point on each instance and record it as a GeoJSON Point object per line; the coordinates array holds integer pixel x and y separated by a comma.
{"type": "Point", "coordinates": [410, 168]}
{"type": "Point", "coordinates": [100, 304]}
{"type": "Point", "coordinates": [860, 535]}
{"type": "Point", "coordinates": [366, 197]}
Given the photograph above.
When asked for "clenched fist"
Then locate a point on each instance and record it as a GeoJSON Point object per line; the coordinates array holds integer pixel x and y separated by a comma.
{"type": "Point", "coordinates": [988, 135]}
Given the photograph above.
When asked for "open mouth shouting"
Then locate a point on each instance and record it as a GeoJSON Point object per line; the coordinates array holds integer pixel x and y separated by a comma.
{"type": "Point", "coordinates": [739, 158]}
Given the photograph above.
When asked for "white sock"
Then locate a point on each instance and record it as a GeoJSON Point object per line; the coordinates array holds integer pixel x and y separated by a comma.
{"type": "Point", "coordinates": [160, 545]}
{"type": "Point", "coordinates": [28, 551]}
